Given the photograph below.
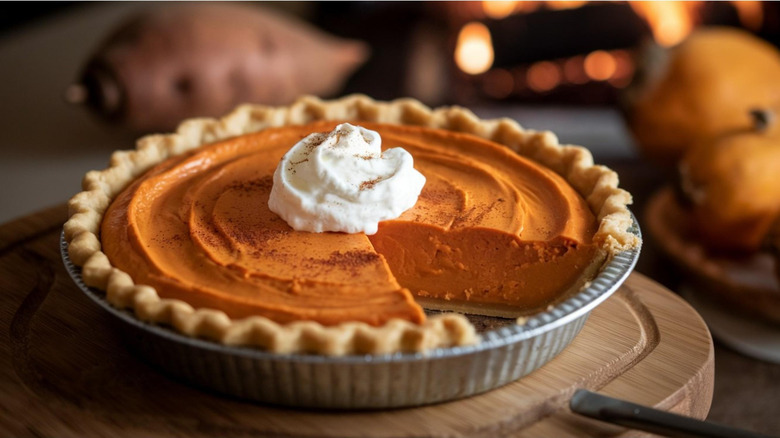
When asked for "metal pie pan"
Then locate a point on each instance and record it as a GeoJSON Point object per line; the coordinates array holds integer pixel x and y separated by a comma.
{"type": "Point", "coordinates": [507, 352]}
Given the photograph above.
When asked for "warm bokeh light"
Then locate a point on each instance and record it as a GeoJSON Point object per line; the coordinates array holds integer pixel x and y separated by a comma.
{"type": "Point", "coordinates": [624, 69]}
{"type": "Point", "coordinates": [600, 65]}
{"type": "Point", "coordinates": [502, 9]}
{"type": "Point", "coordinates": [751, 14]}
{"type": "Point", "coordinates": [565, 4]}
{"type": "Point", "coordinates": [574, 70]}
{"type": "Point", "coordinates": [543, 76]}
{"type": "Point", "coordinates": [474, 49]}
{"type": "Point", "coordinates": [670, 21]}
{"type": "Point", "coordinates": [624, 63]}
{"type": "Point", "coordinates": [499, 83]}
{"type": "Point", "coordinates": [518, 75]}
{"type": "Point", "coordinates": [498, 9]}
{"type": "Point", "coordinates": [528, 5]}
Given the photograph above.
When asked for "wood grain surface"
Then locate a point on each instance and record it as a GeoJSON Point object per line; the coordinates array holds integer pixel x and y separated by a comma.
{"type": "Point", "coordinates": [65, 372]}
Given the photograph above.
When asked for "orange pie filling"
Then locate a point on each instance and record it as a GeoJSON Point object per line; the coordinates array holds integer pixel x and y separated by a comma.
{"type": "Point", "coordinates": [492, 232]}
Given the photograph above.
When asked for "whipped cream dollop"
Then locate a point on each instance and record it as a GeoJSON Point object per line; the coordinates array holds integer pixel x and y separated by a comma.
{"type": "Point", "coordinates": [342, 181]}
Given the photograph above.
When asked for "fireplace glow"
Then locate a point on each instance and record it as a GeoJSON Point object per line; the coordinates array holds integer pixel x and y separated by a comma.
{"type": "Point", "coordinates": [597, 72]}
{"type": "Point", "coordinates": [498, 9]}
{"type": "Point", "coordinates": [600, 65]}
{"type": "Point", "coordinates": [501, 9]}
{"type": "Point", "coordinates": [499, 83]}
{"type": "Point", "coordinates": [474, 49]}
{"type": "Point", "coordinates": [624, 69]}
{"type": "Point", "coordinates": [574, 70]}
{"type": "Point", "coordinates": [543, 76]}
{"type": "Point", "coordinates": [670, 21]}
{"type": "Point", "coordinates": [565, 4]}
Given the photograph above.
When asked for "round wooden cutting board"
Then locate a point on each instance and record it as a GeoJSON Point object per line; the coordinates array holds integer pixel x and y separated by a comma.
{"type": "Point", "coordinates": [65, 372]}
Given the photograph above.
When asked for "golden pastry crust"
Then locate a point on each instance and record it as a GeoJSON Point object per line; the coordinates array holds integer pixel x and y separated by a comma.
{"type": "Point", "coordinates": [597, 184]}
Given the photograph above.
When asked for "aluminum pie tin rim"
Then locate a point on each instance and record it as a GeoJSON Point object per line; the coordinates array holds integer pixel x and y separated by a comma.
{"type": "Point", "coordinates": [607, 281]}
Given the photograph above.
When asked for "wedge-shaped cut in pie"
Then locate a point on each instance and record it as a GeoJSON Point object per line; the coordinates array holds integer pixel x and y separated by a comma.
{"type": "Point", "coordinates": [508, 223]}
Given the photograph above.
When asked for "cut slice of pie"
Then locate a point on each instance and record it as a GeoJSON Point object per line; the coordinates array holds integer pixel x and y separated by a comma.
{"type": "Point", "coordinates": [186, 237]}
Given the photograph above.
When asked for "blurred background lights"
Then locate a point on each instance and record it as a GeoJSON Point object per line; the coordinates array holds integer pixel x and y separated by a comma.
{"type": "Point", "coordinates": [474, 49]}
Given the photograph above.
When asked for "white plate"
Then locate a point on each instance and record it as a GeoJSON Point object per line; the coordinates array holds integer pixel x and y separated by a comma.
{"type": "Point", "coordinates": [749, 336]}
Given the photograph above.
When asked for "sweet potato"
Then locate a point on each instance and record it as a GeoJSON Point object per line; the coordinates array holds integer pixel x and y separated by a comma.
{"type": "Point", "coordinates": [184, 61]}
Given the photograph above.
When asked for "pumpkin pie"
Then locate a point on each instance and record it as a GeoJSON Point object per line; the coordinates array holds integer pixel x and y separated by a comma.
{"type": "Point", "coordinates": [747, 282]}
{"type": "Point", "coordinates": [508, 223]}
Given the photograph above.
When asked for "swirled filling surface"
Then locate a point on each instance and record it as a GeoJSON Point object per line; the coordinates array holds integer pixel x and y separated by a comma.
{"type": "Point", "coordinates": [490, 230]}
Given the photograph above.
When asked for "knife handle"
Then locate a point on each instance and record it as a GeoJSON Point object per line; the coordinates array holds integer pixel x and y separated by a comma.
{"type": "Point", "coordinates": [634, 416]}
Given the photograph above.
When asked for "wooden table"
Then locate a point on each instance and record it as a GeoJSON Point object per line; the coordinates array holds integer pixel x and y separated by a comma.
{"type": "Point", "coordinates": [64, 372]}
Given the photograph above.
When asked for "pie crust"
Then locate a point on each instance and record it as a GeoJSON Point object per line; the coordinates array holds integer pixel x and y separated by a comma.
{"type": "Point", "coordinates": [597, 184]}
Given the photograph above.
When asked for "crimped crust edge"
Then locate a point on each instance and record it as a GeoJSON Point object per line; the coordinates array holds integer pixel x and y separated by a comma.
{"type": "Point", "coordinates": [597, 184]}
